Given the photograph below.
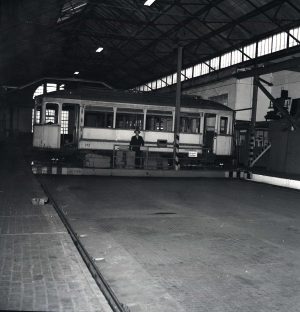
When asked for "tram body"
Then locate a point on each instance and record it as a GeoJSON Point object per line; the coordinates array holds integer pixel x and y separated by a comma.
{"type": "Point", "coordinates": [100, 120]}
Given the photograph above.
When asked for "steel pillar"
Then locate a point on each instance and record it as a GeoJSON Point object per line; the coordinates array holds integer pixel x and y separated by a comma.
{"type": "Point", "coordinates": [177, 110]}
{"type": "Point", "coordinates": [253, 120]}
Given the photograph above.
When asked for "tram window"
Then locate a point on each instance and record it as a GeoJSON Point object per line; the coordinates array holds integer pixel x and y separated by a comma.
{"type": "Point", "coordinates": [37, 117]}
{"type": "Point", "coordinates": [210, 121]}
{"type": "Point", "coordinates": [51, 113]}
{"type": "Point", "coordinates": [65, 122]}
{"type": "Point", "coordinates": [129, 120]}
{"type": "Point", "coordinates": [190, 124]}
{"type": "Point", "coordinates": [98, 119]}
{"type": "Point", "coordinates": [223, 125]}
{"type": "Point", "coordinates": [155, 122]}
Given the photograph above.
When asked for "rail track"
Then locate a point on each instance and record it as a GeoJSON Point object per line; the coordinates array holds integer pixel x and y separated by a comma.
{"type": "Point", "coordinates": [103, 285]}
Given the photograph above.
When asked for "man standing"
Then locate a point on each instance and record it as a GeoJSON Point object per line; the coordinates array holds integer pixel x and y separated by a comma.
{"type": "Point", "coordinates": [135, 145]}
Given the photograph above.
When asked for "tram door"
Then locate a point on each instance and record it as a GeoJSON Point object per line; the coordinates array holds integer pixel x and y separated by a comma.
{"type": "Point", "coordinates": [209, 131]}
{"type": "Point", "coordinates": [69, 123]}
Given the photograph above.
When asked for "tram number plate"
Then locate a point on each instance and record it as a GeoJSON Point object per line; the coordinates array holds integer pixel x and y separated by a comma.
{"type": "Point", "coordinates": [193, 154]}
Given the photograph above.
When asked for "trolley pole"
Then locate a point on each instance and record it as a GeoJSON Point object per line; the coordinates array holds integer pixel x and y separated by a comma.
{"type": "Point", "coordinates": [253, 120]}
{"type": "Point", "coordinates": [177, 110]}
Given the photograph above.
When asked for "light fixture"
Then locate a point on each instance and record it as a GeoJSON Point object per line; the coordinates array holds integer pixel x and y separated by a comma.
{"type": "Point", "coordinates": [99, 50]}
{"type": "Point", "coordinates": [76, 73]}
{"type": "Point", "coordinates": [149, 2]}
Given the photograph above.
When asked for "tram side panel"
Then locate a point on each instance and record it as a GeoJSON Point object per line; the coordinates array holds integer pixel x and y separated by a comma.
{"type": "Point", "coordinates": [46, 136]}
{"type": "Point", "coordinates": [214, 132]}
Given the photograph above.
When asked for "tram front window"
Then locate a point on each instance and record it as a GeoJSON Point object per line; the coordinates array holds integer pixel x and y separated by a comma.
{"type": "Point", "coordinates": [223, 125]}
{"type": "Point", "coordinates": [51, 113]}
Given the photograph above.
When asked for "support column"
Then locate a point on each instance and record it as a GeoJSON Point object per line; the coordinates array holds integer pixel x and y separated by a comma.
{"type": "Point", "coordinates": [44, 87]}
{"type": "Point", "coordinates": [34, 112]}
{"type": "Point", "coordinates": [253, 120]}
{"type": "Point", "coordinates": [115, 117]}
{"type": "Point", "coordinates": [43, 113]}
{"type": "Point", "coordinates": [177, 110]}
{"type": "Point", "coordinates": [145, 115]}
{"type": "Point", "coordinates": [173, 121]}
{"type": "Point", "coordinates": [59, 113]}
{"type": "Point", "coordinates": [81, 122]}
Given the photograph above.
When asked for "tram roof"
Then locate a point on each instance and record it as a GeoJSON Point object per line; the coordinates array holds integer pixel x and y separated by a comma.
{"type": "Point", "coordinates": [134, 98]}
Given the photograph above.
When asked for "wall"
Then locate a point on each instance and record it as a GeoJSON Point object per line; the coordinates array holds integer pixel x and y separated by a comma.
{"type": "Point", "coordinates": [239, 96]}
{"type": "Point", "coordinates": [287, 80]}
{"type": "Point", "coordinates": [24, 119]}
{"type": "Point", "coordinates": [285, 150]}
{"type": "Point", "coordinates": [16, 113]}
{"type": "Point", "coordinates": [228, 86]}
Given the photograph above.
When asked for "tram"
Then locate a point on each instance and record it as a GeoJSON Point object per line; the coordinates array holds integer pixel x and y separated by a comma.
{"type": "Point", "coordinates": [98, 120]}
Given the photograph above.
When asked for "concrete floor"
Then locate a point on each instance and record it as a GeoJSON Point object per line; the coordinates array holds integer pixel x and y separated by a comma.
{"type": "Point", "coordinates": [40, 267]}
{"type": "Point", "coordinates": [189, 244]}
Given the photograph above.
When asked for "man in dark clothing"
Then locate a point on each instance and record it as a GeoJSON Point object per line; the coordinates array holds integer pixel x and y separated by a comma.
{"type": "Point", "coordinates": [135, 145]}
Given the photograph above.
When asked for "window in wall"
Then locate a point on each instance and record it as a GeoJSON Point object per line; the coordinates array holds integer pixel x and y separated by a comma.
{"type": "Point", "coordinates": [197, 70]}
{"type": "Point", "coordinates": [189, 123]}
{"type": "Point", "coordinates": [226, 60]}
{"type": "Point", "coordinates": [159, 82]}
{"type": "Point", "coordinates": [249, 51]}
{"type": "Point", "coordinates": [169, 79]}
{"type": "Point", "coordinates": [70, 8]}
{"type": "Point", "coordinates": [164, 82]}
{"type": "Point", "coordinates": [183, 75]}
{"type": "Point", "coordinates": [236, 57]}
{"type": "Point", "coordinates": [64, 122]}
{"type": "Point", "coordinates": [295, 32]}
{"type": "Point", "coordinates": [159, 121]}
{"type": "Point", "coordinates": [222, 98]}
{"type": "Point", "coordinates": [223, 125]}
{"type": "Point", "coordinates": [153, 85]}
{"type": "Point", "coordinates": [39, 90]}
{"type": "Point", "coordinates": [100, 118]}
{"type": "Point", "coordinates": [215, 63]}
{"type": "Point", "coordinates": [51, 87]}
{"type": "Point", "coordinates": [204, 69]}
{"type": "Point", "coordinates": [129, 119]}
{"type": "Point", "coordinates": [51, 113]}
{"type": "Point", "coordinates": [174, 78]}
{"type": "Point", "coordinates": [279, 42]}
{"type": "Point", "coordinates": [189, 73]}
{"type": "Point", "coordinates": [264, 47]}
{"type": "Point", "coordinates": [261, 137]}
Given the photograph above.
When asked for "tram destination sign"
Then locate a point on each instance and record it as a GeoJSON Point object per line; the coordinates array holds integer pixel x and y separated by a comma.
{"type": "Point", "coordinates": [193, 154]}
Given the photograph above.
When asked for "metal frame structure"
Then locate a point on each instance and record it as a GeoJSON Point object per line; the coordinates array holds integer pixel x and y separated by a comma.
{"type": "Point", "coordinates": [57, 37]}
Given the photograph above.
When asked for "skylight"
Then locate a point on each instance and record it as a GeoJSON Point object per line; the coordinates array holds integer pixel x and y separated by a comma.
{"type": "Point", "coordinates": [149, 2]}
{"type": "Point", "coordinates": [99, 50]}
{"type": "Point", "coordinates": [70, 8]}
{"type": "Point", "coordinates": [265, 46]}
{"type": "Point", "coordinates": [76, 73]}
